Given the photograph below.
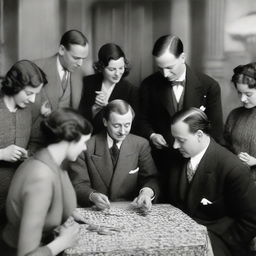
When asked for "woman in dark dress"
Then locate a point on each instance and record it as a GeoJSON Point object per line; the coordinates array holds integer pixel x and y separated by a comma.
{"type": "Point", "coordinates": [240, 128]}
{"type": "Point", "coordinates": [106, 85]}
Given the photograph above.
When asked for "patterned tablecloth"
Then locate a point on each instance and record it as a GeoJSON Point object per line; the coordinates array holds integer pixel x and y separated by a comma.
{"type": "Point", "coordinates": [122, 231]}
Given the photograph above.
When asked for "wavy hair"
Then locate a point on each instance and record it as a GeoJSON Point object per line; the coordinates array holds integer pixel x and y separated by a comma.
{"type": "Point", "coordinates": [64, 124]}
{"type": "Point", "coordinates": [23, 73]}
{"type": "Point", "coordinates": [107, 53]}
{"type": "Point", "coordinates": [245, 74]}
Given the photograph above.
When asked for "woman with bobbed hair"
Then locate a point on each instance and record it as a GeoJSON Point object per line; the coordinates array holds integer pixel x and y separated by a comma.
{"type": "Point", "coordinates": [18, 90]}
{"type": "Point", "coordinates": [41, 197]}
{"type": "Point", "coordinates": [106, 85]}
{"type": "Point", "coordinates": [240, 127]}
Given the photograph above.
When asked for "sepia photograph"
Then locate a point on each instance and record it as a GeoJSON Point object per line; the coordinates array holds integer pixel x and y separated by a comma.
{"type": "Point", "coordinates": [128, 127]}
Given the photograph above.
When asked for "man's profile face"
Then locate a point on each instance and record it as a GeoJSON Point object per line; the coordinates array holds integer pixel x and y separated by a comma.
{"type": "Point", "coordinates": [73, 58]}
{"type": "Point", "coordinates": [186, 142]}
{"type": "Point", "coordinates": [170, 66]}
{"type": "Point", "coordinates": [118, 126]}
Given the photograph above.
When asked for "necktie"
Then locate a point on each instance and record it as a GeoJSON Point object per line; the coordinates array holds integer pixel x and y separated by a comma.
{"type": "Point", "coordinates": [190, 171]}
{"type": "Point", "coordinates": [114, 153]}
{"type": "Point", "coordinates": [182, 83]}
{"type": "Point", "coordinates": [64, 80]}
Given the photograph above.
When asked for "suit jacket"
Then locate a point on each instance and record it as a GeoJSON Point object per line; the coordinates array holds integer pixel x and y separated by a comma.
{"type": "Point", "coordinates": [93, 171]}
{"type": "Point", "coordinates": [225, 181]}
{"type": "Point", "coordinates": [50, 92]}
{"type": "Point", "coordinates": [122, 90]}
{"type": "Point", "coordinates": [156, 103]}
{"type": "Point", "coordinates": [37, 176]}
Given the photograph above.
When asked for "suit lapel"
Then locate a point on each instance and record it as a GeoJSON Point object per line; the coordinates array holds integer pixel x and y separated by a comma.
{"type": "Point", "coordinates": [52, 89]}
{"type": "Point", "coordinates": [183, 185]}
{"type": "Point", "coordinates": [165, 93]}
{"type": "Point", "coordinates": [193, 90]}
{"type": "Point", "coordinates": [102, 159]}
{"type": "Point", "coordinates": [76, 84]}
{"type": "Point", "coordinates": [118, 91]}
{"type": "Point", "coordinates": [125, 159]}
{"type": "Point", "coordinates": [199, 184]}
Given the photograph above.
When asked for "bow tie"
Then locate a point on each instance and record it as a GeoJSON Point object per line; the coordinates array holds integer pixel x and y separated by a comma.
{"type": "Point", "coordinates": [182, 83]}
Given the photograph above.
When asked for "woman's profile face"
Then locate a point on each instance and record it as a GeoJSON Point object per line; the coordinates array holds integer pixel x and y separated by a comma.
{"type": "Point", "coordinates": [247, 95]}
{"type": "Point", "coordinates": [26, 96]}
{"type": "Point", "coordinates": [114, 71]}
{"type": "Point", "coordinates": [77, 147]}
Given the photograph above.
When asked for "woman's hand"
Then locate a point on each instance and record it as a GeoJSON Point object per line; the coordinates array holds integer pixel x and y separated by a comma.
{"type": "Point", "coordinates": [69, 234]}
{"type": "Point", "coordinates": [78, 217]}
{"type": "Point", "coordinates": [101, 99]}
{"type": "Point", "coordinates": [13, 153]}
{"type": "Point", "coordinates": [246, 158]}
{"type": "Point", "coordinates": [45, 109]}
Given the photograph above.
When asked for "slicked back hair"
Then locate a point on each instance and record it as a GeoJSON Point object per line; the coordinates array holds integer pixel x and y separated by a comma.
{"type": "Point", "coordinates": [120, 107]}
{"type": "Point", "coordinates": [195, 118]}
{"type": "Point", "coordinates": [168, 42]}
{"type": "Point", "coordinates": [73, 37]}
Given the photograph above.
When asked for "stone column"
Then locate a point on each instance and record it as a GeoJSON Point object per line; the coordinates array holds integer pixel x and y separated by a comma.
{"type": "Point", "coordinates": [180, 20]}
{"type": "Point", "coordinates": [2, 40]}
{"type": "Point", "coordinates": [214, 32]}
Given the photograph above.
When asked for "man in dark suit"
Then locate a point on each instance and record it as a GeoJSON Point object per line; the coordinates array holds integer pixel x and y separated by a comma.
{"type": "Point", "coordinates": [174, 87]}
{"type": "Point", "coordinates": [117, 165]}
{"type": "Point", "coordinates": [212, 185]}
{"type": "Point", "coordinates": [65, 80]}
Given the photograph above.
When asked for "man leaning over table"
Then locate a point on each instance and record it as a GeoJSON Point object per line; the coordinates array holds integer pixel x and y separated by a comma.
{"type": "Point", "coordinates": [117, 165]}
{"type": "Point", "coordinates": [65, 80]}
{"type": "Point", "coordinates": [212, 186]}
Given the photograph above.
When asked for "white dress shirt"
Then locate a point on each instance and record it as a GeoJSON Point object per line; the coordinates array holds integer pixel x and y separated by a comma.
{"type": "Point", "coordinates": [195, 160]}
{"type": "Point", "coordinates": [178, 89]}
{"type": "Point", "coordinates": [61, 70]}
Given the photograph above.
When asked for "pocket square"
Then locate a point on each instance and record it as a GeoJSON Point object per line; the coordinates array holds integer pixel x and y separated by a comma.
{"type": "Point", "coordinates": [134, 171]}
{"type": "Point", "coordinates": [203, 108]}
{"type": "Point", "coordinates": [205, 201]}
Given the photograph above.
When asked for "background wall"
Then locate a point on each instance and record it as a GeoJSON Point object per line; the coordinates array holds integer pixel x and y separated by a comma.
{"type": "Point", "coordinates": [32, 29]}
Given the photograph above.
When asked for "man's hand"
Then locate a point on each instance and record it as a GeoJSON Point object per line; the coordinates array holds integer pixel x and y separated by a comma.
{"type": "Point", "coordinates": [158, 140]}
{"type": "Point", "coordinates": [100, 200]}
{"type": "Point", "coordinates": [246, 158]}
{"type": "Point", "coordinates": [144, 200]}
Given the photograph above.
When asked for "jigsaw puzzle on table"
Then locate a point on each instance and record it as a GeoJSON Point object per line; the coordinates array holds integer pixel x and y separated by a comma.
{"type": "Point", "coordinates": [165, 230]}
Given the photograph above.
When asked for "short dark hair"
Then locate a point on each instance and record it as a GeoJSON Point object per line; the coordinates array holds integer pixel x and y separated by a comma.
{"type": "Point", "coordinates": [173, 43]}
{"type": "Point", "coordinates": [23, 73]}
{"type": "Point", "coordinates": [73, 37]}
{"type": "Point", "coordinates": [117, 106]}
{"type": "Point", "coordinates": [195, 118]}
{"type": "Point", "coordinates": [245, 74]}
{"type": "Point", "coordinates": [64, 124]}
{"type": "Point", "coordinates": [109, 52]}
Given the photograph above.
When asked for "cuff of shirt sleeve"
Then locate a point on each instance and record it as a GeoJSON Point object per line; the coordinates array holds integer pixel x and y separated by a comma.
{"type": "Point", "coordinates": [151, 135]}
{"type": "Point", "coordinates": [90, 196]}
{"type": "Point", "coordinates": [149, 190]}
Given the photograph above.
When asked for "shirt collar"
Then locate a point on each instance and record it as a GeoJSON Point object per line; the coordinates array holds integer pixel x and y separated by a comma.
{"type": "Point", "coordinates": [60, 68]}
{"type": "Point", "coordinates": [111, 142]}
{"type": "Point", "coordinates": [183, 76]}
{"type": "Point", "coordinates": [195, 160]}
